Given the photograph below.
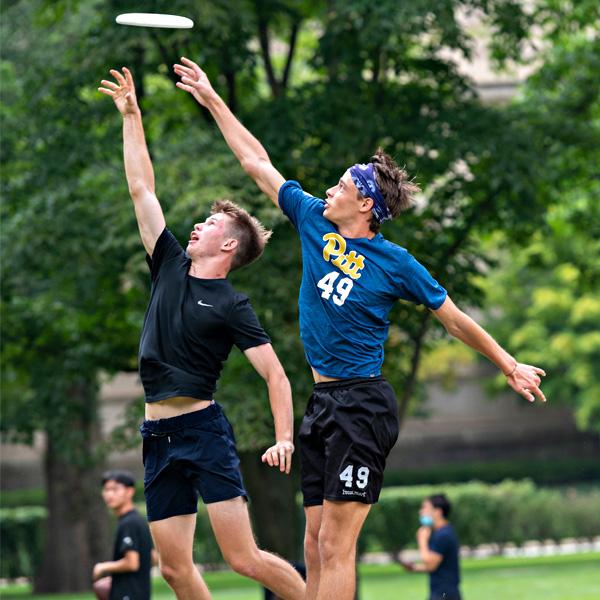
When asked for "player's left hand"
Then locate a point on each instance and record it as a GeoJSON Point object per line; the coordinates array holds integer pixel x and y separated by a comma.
{"type": "Point", "coordinates": [279, 455]}
{"type": "Point", "coordinates": [525, 380]}
{"type": "Point", "coordinates": [98, 571]}
{"type": "Point", "coordinates": [407, 565]}
{"type": "Point", "coordinates": [122, 92]}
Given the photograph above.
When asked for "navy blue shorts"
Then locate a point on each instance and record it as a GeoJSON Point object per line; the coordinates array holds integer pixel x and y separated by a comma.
{"type": "Point", "coordinates": [188, 456]}
{"type": "Point", "coordinates": [445, 596]}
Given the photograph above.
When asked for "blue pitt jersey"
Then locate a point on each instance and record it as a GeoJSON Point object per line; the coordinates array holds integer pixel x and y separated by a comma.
{"type": "Point", "coordinates": [349, 286]}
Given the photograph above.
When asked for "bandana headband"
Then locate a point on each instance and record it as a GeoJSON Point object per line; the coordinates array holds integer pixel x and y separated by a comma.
{"type": "Point", "coordinates": [363, 177]}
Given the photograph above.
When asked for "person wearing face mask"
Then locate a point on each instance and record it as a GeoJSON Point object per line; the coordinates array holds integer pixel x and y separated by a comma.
{"type": "Point", "coordinates": [439, 549]}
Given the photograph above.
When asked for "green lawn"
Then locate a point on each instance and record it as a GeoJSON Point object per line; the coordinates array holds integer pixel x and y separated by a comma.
{"type": "Point", "coordinates": [550, 578]}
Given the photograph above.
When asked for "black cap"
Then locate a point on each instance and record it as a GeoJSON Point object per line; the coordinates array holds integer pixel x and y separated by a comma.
{"type": "Point", "coordinates": [120, 476]}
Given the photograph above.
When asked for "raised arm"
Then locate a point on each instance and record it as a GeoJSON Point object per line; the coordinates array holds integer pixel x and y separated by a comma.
{"type": "Point", "coordinates": [431, 560]}
{"type": "Point", "coordinates": [247, 149]}
{"type": "Point", "coordinates": [524, 379]}
{"type": "Point", "coordinates": [138, 166]}
{"type": "Point", "coordinates": [266, 363]}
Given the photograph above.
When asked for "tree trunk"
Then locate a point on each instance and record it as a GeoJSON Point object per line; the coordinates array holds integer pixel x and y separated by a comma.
{"type": "Point", "coordinates": [409, 387]}
{"type": "Point", "coordinates": [291, 49]}
{"type": "Point", "coordinates": [231, 93]}
{"type": "Point", "coordinates": [77, 528]}
{"type": "Point", "coordinates": [275, 512]}
{"type": "Point", "coordinates": [263, 37]}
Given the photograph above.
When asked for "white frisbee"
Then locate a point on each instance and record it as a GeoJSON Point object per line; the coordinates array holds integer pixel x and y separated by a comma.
{"type": "Point", "coordinates": [155, 20]}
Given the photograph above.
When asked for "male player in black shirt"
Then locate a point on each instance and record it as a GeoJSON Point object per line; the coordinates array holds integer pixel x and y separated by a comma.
{"type": "Point", "coordinates": [133, 553]}
{"type": "Point", "coordinates": [193, 319]}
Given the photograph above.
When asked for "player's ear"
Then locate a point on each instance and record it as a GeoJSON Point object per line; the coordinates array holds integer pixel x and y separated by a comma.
{"type": "Point", "coordinates": [229, 245]}
{"type": "Point", "coordinates": [367, 205]}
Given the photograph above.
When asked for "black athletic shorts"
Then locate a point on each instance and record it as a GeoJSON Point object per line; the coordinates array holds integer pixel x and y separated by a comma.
{"type": "Point", "coordinates": [348, 430]}
{"type": "Point", "coordinates": [187, 456]}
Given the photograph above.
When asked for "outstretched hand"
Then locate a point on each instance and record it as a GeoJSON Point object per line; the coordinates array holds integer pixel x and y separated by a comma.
{"type": "Point", "coordinates": [525, 380]}
{"type": "Point", "coordinates": [407, 565]}
{"type": "Point", "coordinates": [194, 81]}
{"type": "Point", "coordinates": [122, 92]}
{"type": "Point", "coordinates": [279, 455]}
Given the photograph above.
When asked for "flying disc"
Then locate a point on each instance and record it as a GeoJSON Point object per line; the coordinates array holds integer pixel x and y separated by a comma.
{"type": "Point", "coordinates": [155, 20]}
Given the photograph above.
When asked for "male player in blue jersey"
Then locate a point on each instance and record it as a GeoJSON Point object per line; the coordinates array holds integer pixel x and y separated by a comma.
{"type": "Point", "coordinates": [351, 278]}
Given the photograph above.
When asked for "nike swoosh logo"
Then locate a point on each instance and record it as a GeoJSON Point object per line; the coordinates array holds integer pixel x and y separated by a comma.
{"type": "Point", "coordinates": [202, 304]}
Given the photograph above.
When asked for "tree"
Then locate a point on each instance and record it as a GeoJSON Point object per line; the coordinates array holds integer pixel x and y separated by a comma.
{"type": "Point", "coordinates": [64, 253]}
{"type": "Point", "coordinates": [553, 280]}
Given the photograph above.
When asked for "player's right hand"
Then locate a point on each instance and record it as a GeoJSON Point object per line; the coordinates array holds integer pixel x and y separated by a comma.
{"type": "Point", "coordinates": [279, 455]}
{"type": "Point", "coordinates": [194, 81]}
{"type": "Point", "coordinates": [122, 92]}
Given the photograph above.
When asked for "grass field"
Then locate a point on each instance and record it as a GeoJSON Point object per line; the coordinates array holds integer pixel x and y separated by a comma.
{"type": "Point", "coordinates": [574, 577]}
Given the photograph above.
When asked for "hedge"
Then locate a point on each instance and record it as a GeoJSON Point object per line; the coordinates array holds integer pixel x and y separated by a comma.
{"type": "Point", "coordinates": [555, 471]}
{"type": "Point", "coordinates": [21, 542]}
{"type": "Point", "coordinates": [512, 511]}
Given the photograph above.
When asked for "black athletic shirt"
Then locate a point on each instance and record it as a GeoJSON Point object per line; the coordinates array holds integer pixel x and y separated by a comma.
{"type": "Point", "coordinates": [132, 534]}
{"type": "Point", "coordinates": [190, 327]}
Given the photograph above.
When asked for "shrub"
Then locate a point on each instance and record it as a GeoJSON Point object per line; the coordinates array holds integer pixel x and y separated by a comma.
{"type": "Point", "coordinates": [512, 511]}
{"type": "Point", "coordinates": [21, 541]}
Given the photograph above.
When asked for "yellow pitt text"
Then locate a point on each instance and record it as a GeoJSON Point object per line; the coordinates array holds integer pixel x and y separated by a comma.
{"type": "Point", "coordinates": [349, 264]}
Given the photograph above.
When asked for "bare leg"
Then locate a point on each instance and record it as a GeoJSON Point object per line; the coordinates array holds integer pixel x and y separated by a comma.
{"type": "Point", "coordinates": [174, 538]}
{"type": "Point", "coordinates": [311, 549]}
{"type": "Point", "coordinates": [231, 524]}
{"type": "Point", "coordinates": [341, 523]}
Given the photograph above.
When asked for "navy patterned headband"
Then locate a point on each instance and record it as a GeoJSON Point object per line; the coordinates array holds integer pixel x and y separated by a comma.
{"type": "Point", "coordinates": [363, 177]}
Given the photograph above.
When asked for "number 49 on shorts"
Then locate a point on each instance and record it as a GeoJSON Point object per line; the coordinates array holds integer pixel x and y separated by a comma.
{"type": "Point", "coordinates": [362, 477]}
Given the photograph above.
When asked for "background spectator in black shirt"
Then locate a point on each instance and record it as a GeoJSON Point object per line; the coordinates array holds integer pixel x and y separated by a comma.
{"type": "Point", "coordinates": [128, 574]}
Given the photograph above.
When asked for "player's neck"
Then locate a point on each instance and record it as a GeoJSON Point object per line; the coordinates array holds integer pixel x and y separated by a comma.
{"type": "Point", "coordinates": [123, 510]}
{"type": "Point", "coordinates": [355, 229]}
{"type": "Point", "coordinates": [441, 523]}
{"type": "Point", "coordinates": [210, 268]}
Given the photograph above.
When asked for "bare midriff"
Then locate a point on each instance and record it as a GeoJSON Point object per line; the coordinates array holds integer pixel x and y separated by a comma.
{"type": "Point", "coordinates": [322, 378]}
{"type": "Point", "coordinates": [173, 407]}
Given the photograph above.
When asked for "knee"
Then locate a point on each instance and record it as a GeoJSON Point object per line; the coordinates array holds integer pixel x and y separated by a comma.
{"type": "Point", "coordinates": [169, 573]}
{"type": "Point", "coordinates": [172, 574]}
{"type": "Point", "coordinates": [246, 564]}
{"type": "Point", "coordinates": [330, 550]}
{"type": "Point", "coordinates": [311, 547]}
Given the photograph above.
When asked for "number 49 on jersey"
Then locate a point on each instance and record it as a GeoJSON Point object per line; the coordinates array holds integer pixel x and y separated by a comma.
{"type": "Point", "coordinates": [342, 289]}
